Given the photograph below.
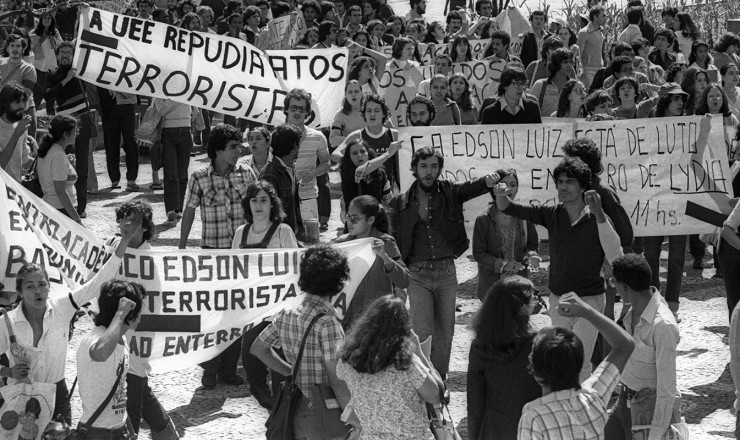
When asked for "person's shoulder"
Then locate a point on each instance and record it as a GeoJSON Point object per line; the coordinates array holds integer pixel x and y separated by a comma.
{"type": "Point", "coordinates": [200, 172]}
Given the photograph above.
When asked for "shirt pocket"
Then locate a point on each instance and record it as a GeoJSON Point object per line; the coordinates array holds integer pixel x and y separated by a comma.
{"type": "Point", "coordinates": [213, 197]}
{"type": "Point", "coordinates": [240, 189]}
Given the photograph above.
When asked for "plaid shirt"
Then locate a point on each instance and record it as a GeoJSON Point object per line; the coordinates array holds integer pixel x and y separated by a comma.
{"type": "Point", "coordinates": [220, 200]}
{"type": "Point", "coordinates": [286, 332]}
{"type": "Point", "coordinates": [571, 414]}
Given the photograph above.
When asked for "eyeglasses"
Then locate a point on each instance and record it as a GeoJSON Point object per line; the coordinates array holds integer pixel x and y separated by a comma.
{"type": "Point", "coordinates": [519, 84]}
{"type": "Point", "coordinates": [353, 218]}
{"type": "Point", "coordinates": [297, 109]}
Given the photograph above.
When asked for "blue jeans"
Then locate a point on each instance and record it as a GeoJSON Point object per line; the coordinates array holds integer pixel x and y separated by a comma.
{"type": "Point", "coordinates": [676, 260]}
{"type": "Point", "coordinates": [729, 259]}
{"type": "Point", "coordinates": [432, 298]}
{"type": "Point", "coordinates": [141, 403]}
{"type": "Point", "coordinates": [177, 144]}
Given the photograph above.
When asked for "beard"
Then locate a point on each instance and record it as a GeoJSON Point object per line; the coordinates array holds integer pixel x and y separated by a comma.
{"type": "Point", "coordinates": [426, 186]}
{"type": "Point", "coordinates": [15, 115]}
{"type": "Point", "coordinates": [419, 123]}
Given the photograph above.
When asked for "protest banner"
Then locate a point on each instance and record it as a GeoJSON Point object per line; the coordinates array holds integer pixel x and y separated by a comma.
{"type": "Point", "coordinates": [515, 23]}
{"type": "Point", "coordinates": [211, 71]}
{"type": "Point", "coordinates": [483, 76]}
{"type": "Point", "coordinates": [282, 32]}
{"type": "Point", "coordinates": [26, 410]}
{"type": "Point", "coordinates": [671, 174]}
{"type": "Point", "coordinates": [197, 300]}
{"type": "Point", "coordinates": [429, 51]}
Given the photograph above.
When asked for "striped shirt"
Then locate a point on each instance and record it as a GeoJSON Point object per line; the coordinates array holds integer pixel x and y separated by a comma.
{"type": "Point", "coordinates": [286, 332]}
{"type": "Point", "coordinates": [571, 414]}
{"type": "Point", "coordinates": [219, 199]}
{"type": "Point", "coordinates": [313, 143]}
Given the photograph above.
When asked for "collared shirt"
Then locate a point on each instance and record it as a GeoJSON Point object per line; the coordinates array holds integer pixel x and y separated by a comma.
{"type": "Point", "coordinates": [571, 414]}
{"type": "Point", "coordinates": [656, 338]}
{"type": "Point", "coordinates": [249, 161]}
{"type": "Point", "coordinates": [591, 40]}
{"type": "Point", "coordinates": [220, 200]}
{"type": "Point", "coordinates": [49, 357]}
{"type": "Point", "coordinates": [313, 146]}
{"type": "Point", "coordinates": [428, 242]}
{"type": "Point", "coordinates": [14, 167]}
{"type": "Point", "coordinates": [512, 110]}
{"type": "Point", "coordinates": [286, 332]}
{"type": "Point", "coordinates": [631, 33]}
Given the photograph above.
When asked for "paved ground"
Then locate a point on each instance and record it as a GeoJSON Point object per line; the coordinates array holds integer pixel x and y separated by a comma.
{"type": "Point", "coordinates": [230, 413]}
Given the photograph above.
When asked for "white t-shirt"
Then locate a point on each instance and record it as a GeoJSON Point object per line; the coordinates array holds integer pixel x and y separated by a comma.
{"type": "Point", "coordinates": [55, 167]}
{"type": "Point", "coordinates": [313, 144]}
{"type": "Point", "coordinates": [282, 239]}
{"type": "Point", "coordinates": [20, 155]}
{"type": "Point", "coordinates": [96, 380]}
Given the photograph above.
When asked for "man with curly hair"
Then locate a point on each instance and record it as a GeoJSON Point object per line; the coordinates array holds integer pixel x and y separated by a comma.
{"type": "Point", "coordinates": [218, 190]}
{"type": "Point", "coordinates": [323, 272]}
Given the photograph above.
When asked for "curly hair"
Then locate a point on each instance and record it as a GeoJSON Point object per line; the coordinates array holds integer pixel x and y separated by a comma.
{"type": "Point", "coordinates": [220, 137]}
{"type": "Point", "coordinates": [346, 162]}
{"type": "Point", "coordinates": [557, 358]}
{"type": "Point", "coordinates": [380, 338]}
{"type": "Point", "coordinates": [143, 209]}
{"type": "Point", "coordinates": [629, 81]}
{"type": "Point", "coordinates": [425, 153]}
{"type": "Point", "coordinates": [353, 72]}
{"type": "Point", "coordinates": [323, 271]}
{"type": "Point", "coordinates": [575, 168]}
{"type": "Point", "coordinates": [586, 150]}
{"type": "Point", "coordinates": [398, 45]}
{"type": "Point", "coordinates": [277, 214]}
{"type": "Point", "coordinates": [297, 94]}
{"type": "Point", "coordinates": [378, 100]}
{"type": "Point", "coordinates": [285, 139]}
{"type": "Point", "coordinates": [501, 324]}
{"type": "Point", "coordinates": [11, 92]}
{"type": "Point", "coordinates": [662, 107]}
{"type": "Point", "coordinates": [558, 57]}
{"type": "Point", "coordinates": [111, 293]}
{"type": "Point", "coordinates": [725, 41]}
{"type": "Point", "coordinates": [508, 76]}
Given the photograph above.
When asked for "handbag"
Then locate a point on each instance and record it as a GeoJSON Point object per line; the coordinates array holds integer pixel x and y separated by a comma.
{"type": "Point", "coordinates": [280, 423]}
{"type": "Point", "coordinates": [441, 428]}
{"type": "Point", "coordinates": [31, 181]}
{"type": "Point", "coordinates": [60, 429]}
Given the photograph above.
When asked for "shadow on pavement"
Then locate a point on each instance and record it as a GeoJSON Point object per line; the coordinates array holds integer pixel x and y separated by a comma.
{"type": "Point", "coordinates": [205, 406]}
{"type": "Point", "coordinates": [709, 398]}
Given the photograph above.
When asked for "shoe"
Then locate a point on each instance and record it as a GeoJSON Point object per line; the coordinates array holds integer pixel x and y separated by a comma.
{"type": "Point", "coordinates": [156, 186]}
{"type": "Point", "coordinates": [93, 192]}
{"type": "Point", "coordinates": [231, 379]}
{"type": "Point", "coordinates": [83, 214]}
{"type": "Point", "coordinates": [178, 215]}
{"type": "Point", "coordinates": [171, 216]}
{"type": "Point", "coordinates": [132, 186]}
{"type": "Point", "coordinates": [673, 305]}
{"type": "Point", "coordinates": [209, 380]}
{"type": "Point", "coordinates": [115, 184]}
{"type": "Point", "coordinates": [698, 264]}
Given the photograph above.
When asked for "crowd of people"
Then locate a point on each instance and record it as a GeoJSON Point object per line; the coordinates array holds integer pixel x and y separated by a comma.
{"type": "Point", "coordinates": [385, 364]}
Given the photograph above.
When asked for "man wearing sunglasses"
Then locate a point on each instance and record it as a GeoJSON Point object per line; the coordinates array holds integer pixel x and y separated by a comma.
{"type": "Point", "coordinates": [430, 232]}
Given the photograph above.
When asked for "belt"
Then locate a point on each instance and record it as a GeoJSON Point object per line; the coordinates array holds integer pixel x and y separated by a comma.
{"type": "Point", "coordinates": [103, 432]}
{"type": "Point", "coordinates": [626, 392]}
{"type": "Point", "coordinates": [434, 264]}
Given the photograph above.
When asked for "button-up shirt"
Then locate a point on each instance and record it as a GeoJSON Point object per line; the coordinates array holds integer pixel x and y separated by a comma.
{"type": "Point", "coordinates": [219, 198]}
{"type": "Point", "coordinates": [513, 110]}
{"type": "Point", "coordinates": [428, 242]}
{"type": "Point", "coordinates": [286, 332]}
{"type": "Point", "coordinates": [570, 414]}
{"type": "Point", "coordinates": [656, 337]}
{"type": "Point", "coordinates": [48, 358]}
{"type": "Point", "coordinates": [591, 40]}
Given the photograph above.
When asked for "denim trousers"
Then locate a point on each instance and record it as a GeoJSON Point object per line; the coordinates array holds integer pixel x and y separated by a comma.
{"type": "Point", "coordinates": [324, 199]}
{"type": "Point", "coordinates": [432, 298]}
{"type": "Point", "coordinates": [308, 423]}
{"type": "Point", "coordinates": [585, 331]}
{"type": "Point", "coordinates": [82, 152]}
{"type": "Point", "coordinates": [177, 144]}
{"type": "Point", "coordinates": [141, 403]}
{"type": "Point", "coordinates": [729, 259]}
{"type": "Point", "coordinates": [676, 260]}
{"type": "Point", "coordinates": [121, 125]}
{"type": "Point", "coordinates": [225, 363]}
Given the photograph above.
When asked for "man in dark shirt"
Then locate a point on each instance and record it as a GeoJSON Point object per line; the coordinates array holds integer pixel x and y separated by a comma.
{"type": "Point", "coordinates": [286, 140]}
{"type": "Point", "coordinates": [430, 231]}
{"type": "Point", "coordinates": [663, 41]}
{"type": "Point", "coordinates": [513, 106]}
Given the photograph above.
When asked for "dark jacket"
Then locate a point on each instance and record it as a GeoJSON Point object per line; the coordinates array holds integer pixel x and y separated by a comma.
{"type": "Point", "coordinates": [449, 218]}
{"type": "Point", "coordinates": [530, 114]}
{"type": "Point", "coordinates": [530, 49]}
{"type": "Point", "coordinates": [278, 175]}
{"type": "Point", "coordinates": [665, 63]}
{"type": "Point", "coordinates": [487, 247]}
{"type": "Point", "coordinates": [70, 98]}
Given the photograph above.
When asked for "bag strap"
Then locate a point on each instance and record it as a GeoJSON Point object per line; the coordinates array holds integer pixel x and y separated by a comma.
{"type": "Point", "coordinates": [303, 344]}
{"type": "Point", "coordinates": [268, 236]}
{"type": "Point", "coordinates": [542, 94]}
{"type": "Point", "coordinates": [102, 406]}
{"type": "Point", "coordinates": [245, 234]}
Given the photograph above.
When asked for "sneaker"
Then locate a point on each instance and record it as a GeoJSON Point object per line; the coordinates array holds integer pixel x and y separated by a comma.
{"type": "Point", "coordinates": [231, 379]}
{"type": "Point", "coordinates": [208, 380]}
{"type": "Point", "coordinates": [171, 216]}
{"type": "Point", "coordinates": [698, 264]}
{"type": "Point", "coordinates": [115, 184]}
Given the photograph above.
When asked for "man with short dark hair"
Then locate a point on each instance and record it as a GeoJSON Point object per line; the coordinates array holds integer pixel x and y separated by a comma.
{"type": "Point", "coordinates": [454, 24]}
{"type": "Point", "coordinates": [218, 190]}
{"type": "Point", "coordinates": [647, 393]}
{"type": "Point", "coordinates": [418, 8]}
{"type": "Point", "coordinates": [14, 68]}
{"type": "Point", "coordinates": [569, 408]}
{"type": "Point", "coordinates": [420, 111]}
{"type": "Point", "coordinates": [661, 54]}
{"type": "Point", "coordinates": [69, 93]}
{"type": "Point", "coordinates": [512, 106]}
{"type": "Point", "coordinates": [13, 129]}
{"type": "Point", "coordinates": [632, 32]}
{"type": "Point", "coordinates": [311, 11]}
{"type": "Point", "coordinates": [286, 141]}
{"type": "Point", "coordinates": [354, 20]}
{"type": "Point", "coordinates": [532, 41]}
{"type": "Point", "coordinates": [442, 66]}
{"type": "Point", "coordinates": [481, 28]}
{"type": "Point", "coordinates": [145, 8]}
{"type": "Point", "coordinates": [591, 43]}
{"type": "Point", "coordinates": [430, 232]}
{"type": "Point", "coordinates": [498, 48]}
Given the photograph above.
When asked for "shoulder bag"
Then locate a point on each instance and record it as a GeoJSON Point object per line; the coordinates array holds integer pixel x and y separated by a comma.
{"type": "Point", "coordinates": [441, 428]}
{"type": "Point", "coordinates": [280, 423]}
{"type": "Point", "coordinates": [30, 180]}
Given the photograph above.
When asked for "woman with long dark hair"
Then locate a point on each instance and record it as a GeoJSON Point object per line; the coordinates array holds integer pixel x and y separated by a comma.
{"type": "Point", "coordinates": [44, 41]}
{"type": "Point", "coordinates": [367, 218]}
{"type": "Point", "coordinates": [701, 58]}
{"type": "Point", "coordinates": [730, 79]}
{"type": "Point", "coordinates": [687, 33]}
{"type": "Point", "coordinates": [725, 51]}
{"type": "Point", "coordinates": [57, 174]}
{"type": "Point", "coordinates": [695, 80]}
{"type": "Point", "coordinates": [547, 91]}
{"type": "Point", "coordinates": [460, 50]}
{"type": "Point", "coordinates": [499, 384]}
{"type": "Point", "coordinates": [435, 33]}
{"type": "Point", "coordinates": [714, 101]}
{"type": "Point", "coordinates": [388, 374]}
{"type": "Point", "coordinates": [572, 102]}
{"type": "Point", "coordinates": [362, 172]}
{"type": "Point", "coordinates": [459, 91]}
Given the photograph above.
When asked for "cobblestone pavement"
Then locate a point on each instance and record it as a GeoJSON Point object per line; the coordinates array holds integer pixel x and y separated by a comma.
{"type": "Point", "coordinates": [229, 412]}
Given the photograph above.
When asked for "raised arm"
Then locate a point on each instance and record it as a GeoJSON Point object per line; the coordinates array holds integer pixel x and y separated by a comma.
{"type": "Point", "coordinates": [337, 155]}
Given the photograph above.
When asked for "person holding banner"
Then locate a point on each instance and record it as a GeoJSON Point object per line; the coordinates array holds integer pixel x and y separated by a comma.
{"type": "Point", "coordinates": [323, 273]}
{"type": "Point", "coordinates": [41, 323]}
{"type": "Point", "coordinates": [576, 258]}
{"type": "Point", "coordinates": [714, 101]}
{"type": "Point", "coordinates": [571, 103]}
{"type": "Point", "coordinates": [429, 229]}
{"type": "Point", "coordinates": [263, 229]}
